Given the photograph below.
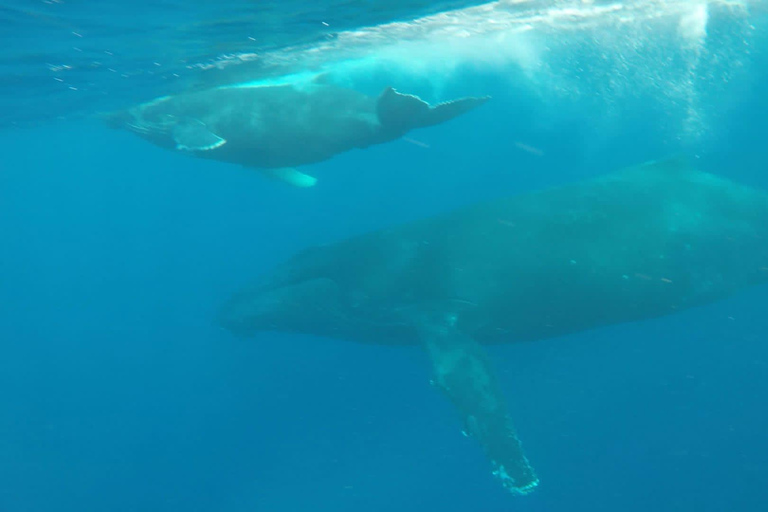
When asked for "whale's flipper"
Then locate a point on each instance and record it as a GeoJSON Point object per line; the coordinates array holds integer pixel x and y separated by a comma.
{"type": "Point", "coordinates": [193, 135]}
{"type": "Point", "coordinates": [291, 176]}
{"type": "Point", "coordinates": [463, 373]}
{"type": "Point", "coordinates": [400, 113]}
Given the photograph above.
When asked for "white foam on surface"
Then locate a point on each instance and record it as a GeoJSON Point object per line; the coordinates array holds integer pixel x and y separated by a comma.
{"type": "Point", "coordinates": [608, 52]}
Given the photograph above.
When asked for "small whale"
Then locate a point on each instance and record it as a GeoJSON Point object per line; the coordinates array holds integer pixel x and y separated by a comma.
{"type": "Point", "coordinates": [275, 128]}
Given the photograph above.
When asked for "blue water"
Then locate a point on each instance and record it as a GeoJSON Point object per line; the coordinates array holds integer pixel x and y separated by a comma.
{"type": "Point", "coordinates": [120, 392]}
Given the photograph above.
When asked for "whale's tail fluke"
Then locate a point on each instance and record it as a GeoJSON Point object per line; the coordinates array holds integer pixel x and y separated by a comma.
{"type": "Point", "coordinates": [398, 113]}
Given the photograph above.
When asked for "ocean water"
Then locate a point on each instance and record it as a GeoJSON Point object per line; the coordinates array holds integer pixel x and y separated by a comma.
{"type": "Point", "coordinates": [120, 392]}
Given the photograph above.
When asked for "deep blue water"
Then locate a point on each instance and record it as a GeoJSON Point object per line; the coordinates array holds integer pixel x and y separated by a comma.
{"type": "Point", "coordinates": [120, 392]}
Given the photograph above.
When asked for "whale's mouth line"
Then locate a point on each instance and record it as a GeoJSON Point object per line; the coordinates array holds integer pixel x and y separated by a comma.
{"type": "Point", "coordinates": [138, 128]}
{"type": "Point", "coordinates": [304, 304]}
{"type": "Point", "coordinates": [143, 127]}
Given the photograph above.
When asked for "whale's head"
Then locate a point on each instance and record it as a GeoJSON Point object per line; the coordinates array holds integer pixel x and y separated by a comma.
{"type": "Point", "coordinates": [332, 291]}
{"type": "Point", "coordinates": [313, 305]}
{"type": "Point", "coordinates": [153, 121]}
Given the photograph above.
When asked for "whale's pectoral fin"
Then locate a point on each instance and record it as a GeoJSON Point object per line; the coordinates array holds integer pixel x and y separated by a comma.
{"type": "Point", "coordinates": [400, 112]}
{"type": "Point", "coordinates": [463, 373]}
{"type": "Point", "coordinates": [193, 135]}
{"type": "Point", "coordinates": [291, 176]}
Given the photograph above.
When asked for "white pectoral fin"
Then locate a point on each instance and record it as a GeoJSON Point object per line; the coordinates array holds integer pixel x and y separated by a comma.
{"type": "Point", "coordinates": [194, 135]}
{"type": "Point", "coordinates": [462, 371]}
{"type": "Point", "coordinates": [292, 177]}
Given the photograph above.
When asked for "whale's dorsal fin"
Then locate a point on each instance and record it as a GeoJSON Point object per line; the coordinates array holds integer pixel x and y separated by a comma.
{"type": "Point", "coordinates": [291, 176]}
{"type": "Point", "coordinates": [462, 371]}
{"type": "Point", "coordinates": [400, 112]}
{"type": "Point", "coordinates": [193, 135]}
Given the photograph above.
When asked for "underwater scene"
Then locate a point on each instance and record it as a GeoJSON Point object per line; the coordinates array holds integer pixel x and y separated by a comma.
{"type": "Point", "coordinates": [414, 255]}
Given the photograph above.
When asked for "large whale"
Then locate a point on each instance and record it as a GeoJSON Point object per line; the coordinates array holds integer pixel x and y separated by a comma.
{"type": "Point", "coordinates": [637, 244]}
{"type": "Point", "coordinates": [275, 128]}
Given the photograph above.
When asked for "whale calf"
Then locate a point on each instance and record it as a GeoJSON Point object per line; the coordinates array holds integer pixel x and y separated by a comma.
{"type": "Point", "coordinates": [275, 128]}
{"type": "Point", "coordinates": [640, 243]}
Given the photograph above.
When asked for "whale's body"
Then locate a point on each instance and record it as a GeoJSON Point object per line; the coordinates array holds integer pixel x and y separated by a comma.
{"type": "Point", "coordinates": [637, 244]}
{"type": "Point", "coordinates": [275, 128]}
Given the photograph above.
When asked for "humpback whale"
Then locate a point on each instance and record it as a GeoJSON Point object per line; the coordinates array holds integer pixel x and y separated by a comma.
{"type": "Point", "coordinates": [275, 128]}
{"type": "Point", "coordinates": [633, 245]}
